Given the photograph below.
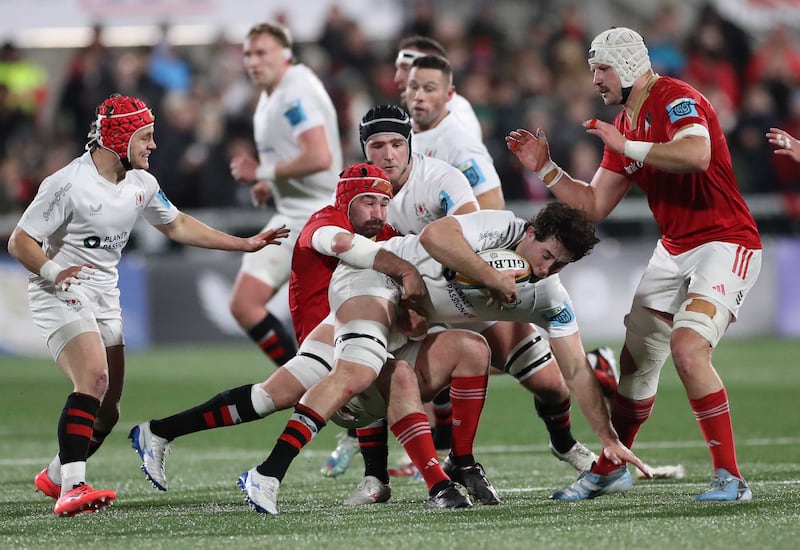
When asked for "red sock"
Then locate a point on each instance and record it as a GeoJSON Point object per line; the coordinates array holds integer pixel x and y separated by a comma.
{"type": "Point", "coordinates": [467, 394]}
{"type": "Point", "coordinates": [714, 418]}
{"type": "Point", "coordinates": [627, 415]}
{"type": "Point", "coordinates": [413, 431]}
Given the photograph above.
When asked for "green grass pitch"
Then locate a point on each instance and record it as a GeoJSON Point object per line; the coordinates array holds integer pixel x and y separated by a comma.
{"type": "Point", "coordinates": [205, 509]}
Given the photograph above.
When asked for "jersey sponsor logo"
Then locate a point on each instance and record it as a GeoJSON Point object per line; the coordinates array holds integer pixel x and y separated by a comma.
{"type": "Point", "coordinates": [473, 172]}
{"type": "Point", "coordinates": [113, 242]}
{"type": "Point", "coordinates": [445, 202]}
{"type": "Point", "coordinates": [109, 242]}
{"type": "Point", "coordinates": [295, 113]}
{"type": "Point", "coordinates": [163, 198]}
{"type": "Point", "coordinates": [92, 242]}
{"type": "Point", "coordinates": [57, 196]}
{"type": "Point", "coordinates": [681, 108]}
{"type": "Point", "coordinates": [560, 315]}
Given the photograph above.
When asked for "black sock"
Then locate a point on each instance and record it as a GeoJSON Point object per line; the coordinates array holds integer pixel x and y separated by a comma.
{"type": "Point", "coordinates": [374, 444]}
{"type": "Point", "coordinates": [301, 428]}
{"type": "Point", "coordinates": [273, 339]}
{"type": "Point", "coordinates": [75, 427]}
{"type": "Point", "coordinates": [558, 421]}
{"type": "Point", "coordinates": [443, 420]}
{"type": "Point", "coordinates": [233, 406]}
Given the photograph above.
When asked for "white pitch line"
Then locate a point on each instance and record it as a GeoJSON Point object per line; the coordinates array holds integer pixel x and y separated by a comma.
{"type": "Point", "coordinates": [240, 453]}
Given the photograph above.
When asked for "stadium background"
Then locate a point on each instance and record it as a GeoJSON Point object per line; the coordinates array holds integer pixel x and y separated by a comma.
{"type": "Point", "coordinates": [520, 63]}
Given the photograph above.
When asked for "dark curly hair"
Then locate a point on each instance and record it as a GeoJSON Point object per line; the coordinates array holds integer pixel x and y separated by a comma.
{"type": "Point", "coordinates": [568, 225]}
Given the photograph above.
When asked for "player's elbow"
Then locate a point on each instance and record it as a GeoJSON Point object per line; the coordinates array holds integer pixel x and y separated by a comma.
{"type": "Point", "coordinates": [322, 161]}
{"type": "Point", "coordinates": [427, 236]}
{"type": "Point", "coordinates": [700, 161]}
{"type": "Point", "coordinates": [12, 247]}
{"type": "Point", "coordinates": [695, 152]}
{"type": "Point", "coordinates": [16, 242]}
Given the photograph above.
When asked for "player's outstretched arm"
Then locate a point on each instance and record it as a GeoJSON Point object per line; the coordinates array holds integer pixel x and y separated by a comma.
{"type": "Point", "coordinates": [583, 385]}
{"type": "Point", "coordinates": [190, 231]}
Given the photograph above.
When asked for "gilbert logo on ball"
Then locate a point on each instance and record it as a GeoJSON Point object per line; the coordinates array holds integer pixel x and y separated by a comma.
{"type": "Point", "coordinates": [501, 260]}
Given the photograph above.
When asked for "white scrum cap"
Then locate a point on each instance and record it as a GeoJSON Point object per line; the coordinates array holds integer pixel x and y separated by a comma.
{"type": "Point", "coordinates": [624, 50]}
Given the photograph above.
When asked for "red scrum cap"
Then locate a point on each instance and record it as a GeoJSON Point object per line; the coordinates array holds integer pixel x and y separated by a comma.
{"type": "Point", "coordinates": [118, 118]}
{"type": "Point", "coordinates": [361, 179]}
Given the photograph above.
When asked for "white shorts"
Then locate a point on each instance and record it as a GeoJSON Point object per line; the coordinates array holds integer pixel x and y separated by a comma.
{"type": "Point", "coordinates": [724, 272]}
{"type": "Point", "coordinates": [348, 282]}
{"type": "Point", "coordinates": [273, 264]}
{"type": "Point", "coordinates": [62, 315]}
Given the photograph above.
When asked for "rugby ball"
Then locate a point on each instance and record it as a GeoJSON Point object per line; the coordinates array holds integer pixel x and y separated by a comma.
{"type": "Point", "coordinates": [502, 260]}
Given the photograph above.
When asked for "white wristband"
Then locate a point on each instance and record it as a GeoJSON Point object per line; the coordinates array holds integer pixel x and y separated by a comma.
{"type": "Point", "coordinates": [362, 254]}
{"type": "Point", "coordinates": [548, 168]}
{"type": "Point", "coordinates": [637, 150]}
{"type": "Point", "coordinates": [50, 270]}
{"type": "Point", "coordinates": [362, 251]}
{"type": "Point", "coordinates": [265, 172]}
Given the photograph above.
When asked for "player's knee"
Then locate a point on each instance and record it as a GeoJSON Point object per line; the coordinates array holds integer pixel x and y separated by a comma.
{"type": "Point", "coordinates": [647, 346]}
{"type": "Point", "coordinates": [94, 382]}
{"type": "Point", "coordinates": [402, 381]}
{"type": "Point", "coordinates": [473, 354]}
{"type": "Point", "coordinates": [528, 357]}
{"type": "Point", "coordinates": [314, 360]}
{"type": "Point", "coordinates": [705, 317]}
{"type": "Point", "coordinates": [362, 342]}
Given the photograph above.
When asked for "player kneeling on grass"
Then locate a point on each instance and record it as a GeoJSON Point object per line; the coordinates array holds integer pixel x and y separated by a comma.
{"type": "Point", "coordinates": [365, 304]}
{"type": "Point", "coordinates": [71, 238]}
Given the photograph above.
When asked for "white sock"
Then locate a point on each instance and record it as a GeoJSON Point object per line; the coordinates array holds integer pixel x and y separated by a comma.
{"type": "Point", "coordinates": [54, 470]}
{"type": "Point", "coordinates": [262, 402]}
{"type": "Point", "coordinates": [72, 474]}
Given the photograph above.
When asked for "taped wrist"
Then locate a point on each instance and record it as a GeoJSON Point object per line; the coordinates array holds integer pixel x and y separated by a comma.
{"type": "Point", "coordinates": [265, 172]}
{"type": "Point", "coordinates": [361, 253]}
{"type": "Point", "coordinates": [637, 150]}
{"type": "Point", "coordinates": [50, 270]}
{"type": "Point", "coordinates": [548, 169]}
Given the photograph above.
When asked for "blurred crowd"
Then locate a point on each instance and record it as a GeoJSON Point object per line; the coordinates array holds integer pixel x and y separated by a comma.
{"type": "Point", "coordinates": [203, 100]}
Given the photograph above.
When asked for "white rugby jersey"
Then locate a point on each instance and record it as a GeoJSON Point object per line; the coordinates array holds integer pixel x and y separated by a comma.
{"type": "Point", "coordinates": [450, 142]}
{"type": "Point", "coordinates": [461, 108]}
{"type": "Point", "coordinates": [298, 104]}
{"type": "Point", "coordinates": [544, 303]}
{"type": "Point", "coordinates": [80, 217]}
{"type": "Point", "coordinates": [433, 190]}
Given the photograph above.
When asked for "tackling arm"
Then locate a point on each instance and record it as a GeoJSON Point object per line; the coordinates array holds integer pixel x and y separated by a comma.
{"type": "Point", "coordinates": [359, 251]}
